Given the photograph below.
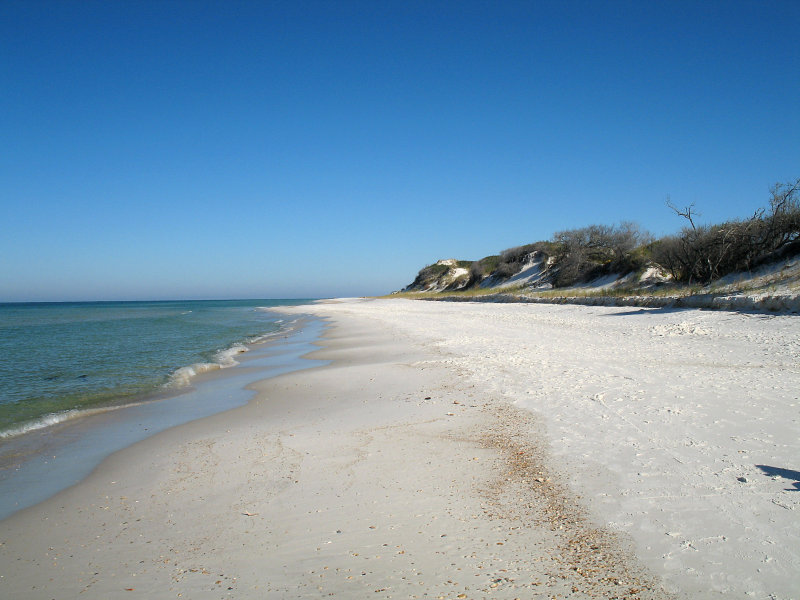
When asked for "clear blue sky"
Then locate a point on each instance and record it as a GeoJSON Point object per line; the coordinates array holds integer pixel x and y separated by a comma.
{"type": "Point", "coordinates": [293, 149]}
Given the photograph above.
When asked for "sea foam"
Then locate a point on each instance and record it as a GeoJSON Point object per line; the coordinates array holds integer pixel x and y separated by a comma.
{"type": "Point", "coordinates": [51, 419]}
{"type": "Point", "coordinates": [224, 359]}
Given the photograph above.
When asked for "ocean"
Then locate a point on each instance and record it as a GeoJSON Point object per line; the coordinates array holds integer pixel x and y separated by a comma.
{"type": "Point", "coordinates": [79, 381]}
{"type": "Point", "coordinates": [58, 361]}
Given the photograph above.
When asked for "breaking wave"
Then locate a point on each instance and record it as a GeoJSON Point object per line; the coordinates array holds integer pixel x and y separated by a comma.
{"type": "Point", "coordinates": [224, 359]}
{"type": "Point", "coordinates": [51, 419]}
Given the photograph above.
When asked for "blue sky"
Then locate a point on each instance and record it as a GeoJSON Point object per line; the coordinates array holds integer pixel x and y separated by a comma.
{"type": "Point", "coordinates": [302, 149]}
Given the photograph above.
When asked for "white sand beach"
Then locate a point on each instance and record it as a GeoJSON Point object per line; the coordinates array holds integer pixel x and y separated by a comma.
{"type": "Point", "coordinates": [459, 451]}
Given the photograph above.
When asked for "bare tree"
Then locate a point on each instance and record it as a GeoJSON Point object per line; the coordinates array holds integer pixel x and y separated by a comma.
{"type": "Point", "coordinates": [783, 219]}
{"type": "Point", "coordinates": [687, 212]}
{"type": "Point", "coordinates": [705, 252]}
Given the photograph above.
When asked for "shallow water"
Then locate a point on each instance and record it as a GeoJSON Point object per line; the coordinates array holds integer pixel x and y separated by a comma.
{"type": "Point", "coordinates": [59, 360]}
{"type": "Point", "coordinates": [39, 464]}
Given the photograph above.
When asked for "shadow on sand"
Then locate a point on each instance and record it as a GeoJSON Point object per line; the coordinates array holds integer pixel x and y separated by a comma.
{"type": "Point", "coordinates": [784, 473]}
{"type": "Point", "coordinates": [649, 311]}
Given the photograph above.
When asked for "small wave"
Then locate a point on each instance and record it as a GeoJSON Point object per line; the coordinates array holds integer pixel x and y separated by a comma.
{"type": "Point", "coordinates": [183, 376]}
{"type": "Point", "coordinates": [260, 339]}
{"type": "Point", "coordinates": [223, 360]}
{"type": "Point", "coordinates": [54, 419]}
{"type": "Point", "coordinates": [225, 357]}
{"type": "Point", "coordinates": [286, 325]}
{"type": "Point", "coordinates": [271, 311]}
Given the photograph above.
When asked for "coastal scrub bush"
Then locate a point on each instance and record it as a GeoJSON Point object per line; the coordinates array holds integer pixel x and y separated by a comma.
{"type": "Point", "coordinates": [483, 268]}
{"type": "Point", "coordinates": [513, 259]}
{"type": "Point", "coordinates": [427, 275]}
{"type": "Point", "coordinates": [596, 250]}
{"type": "Point", "coordinates": [506, 264]}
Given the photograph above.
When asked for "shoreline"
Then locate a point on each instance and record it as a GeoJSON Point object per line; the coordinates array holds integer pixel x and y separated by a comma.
{"type": "Point", "coordinates": [459, 451]}
{"type": "Point", "coordinates": [382, 474]}
{"type": "Point", "coordinates": [42, 462]}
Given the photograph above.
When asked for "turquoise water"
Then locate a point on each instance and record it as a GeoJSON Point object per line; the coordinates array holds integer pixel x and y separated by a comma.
{"type": "Point", "coordinates": [58, 361]}
{"type": "Point", "coordinates": [46, 460]}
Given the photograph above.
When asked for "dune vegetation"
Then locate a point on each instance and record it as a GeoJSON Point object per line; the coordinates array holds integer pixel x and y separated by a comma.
{"type": "Point", "coordinates": [624, 259]}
